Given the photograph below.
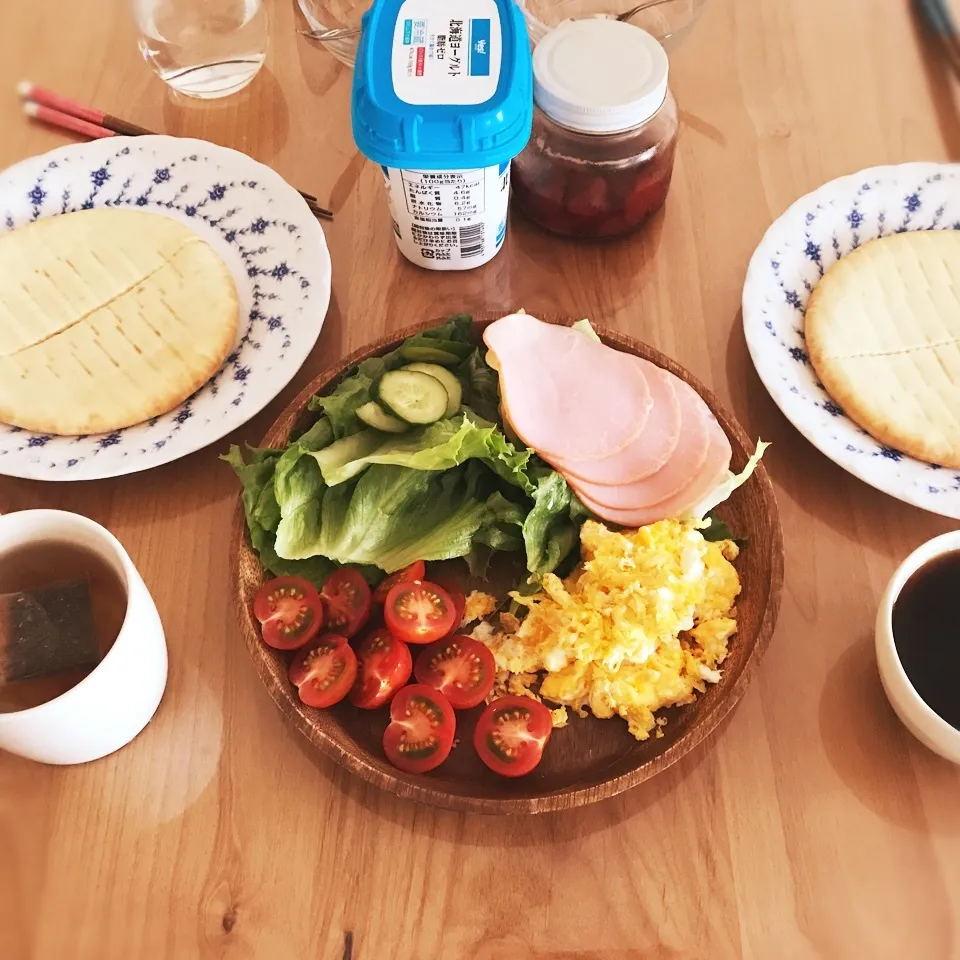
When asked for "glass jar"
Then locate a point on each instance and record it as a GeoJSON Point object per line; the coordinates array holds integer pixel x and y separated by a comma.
{"type": "Point", "coordinates": [601, 155]}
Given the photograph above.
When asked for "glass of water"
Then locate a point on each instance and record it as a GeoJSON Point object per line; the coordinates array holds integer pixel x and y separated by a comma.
{"type": "Point", "coordinates": [203, 48]}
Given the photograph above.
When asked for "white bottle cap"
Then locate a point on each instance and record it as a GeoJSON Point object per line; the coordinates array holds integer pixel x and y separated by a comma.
{"type": "Point", "coordinates": [599, 75]}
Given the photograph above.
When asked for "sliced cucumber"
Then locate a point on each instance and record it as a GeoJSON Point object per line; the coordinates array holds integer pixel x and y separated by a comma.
{"type": "Point", "coordinates": [429, 355]}
{"type": "Point", "coordinates": [414, 397]}
{"type": "Point", "coordinates": [341, 452]}
{"type": "Point", "coordinates": [373, 415]}
{"type": "Point", "coordinates": [450, 383]}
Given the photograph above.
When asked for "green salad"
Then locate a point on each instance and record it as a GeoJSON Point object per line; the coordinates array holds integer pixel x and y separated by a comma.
{"type": "Point", "coordinates": [407, 460]}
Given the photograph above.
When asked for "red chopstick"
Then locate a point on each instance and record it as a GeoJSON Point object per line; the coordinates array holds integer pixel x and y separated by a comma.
{"type": "Point", "coordinates": [57, 118]}
{"type": "Point", "coordinates": [49, 107]}
{"type": "Point", "coordinates": [48, 98]}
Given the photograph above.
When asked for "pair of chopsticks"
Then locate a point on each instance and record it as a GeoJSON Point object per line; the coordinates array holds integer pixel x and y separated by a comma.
{"type": "Point", "coordinates": [939, 21]}
{"type": "Point", "coordinates": [67, 114]}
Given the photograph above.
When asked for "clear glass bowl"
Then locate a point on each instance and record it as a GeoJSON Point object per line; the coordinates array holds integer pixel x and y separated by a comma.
{"type": "Point", "coordinates": [667, 20]}
{"type": "Point", "coordinates": [342, 19]}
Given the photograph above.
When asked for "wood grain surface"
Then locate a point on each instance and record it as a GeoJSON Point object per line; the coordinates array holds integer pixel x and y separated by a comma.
{"type": "Point", "coordinates": [592, 759]}
{"type": "Point", "coordinates": [812, 825]}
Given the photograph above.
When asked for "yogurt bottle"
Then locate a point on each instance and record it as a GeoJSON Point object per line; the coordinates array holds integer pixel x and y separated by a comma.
{"type": "Point", "coordinates": [443, 101]}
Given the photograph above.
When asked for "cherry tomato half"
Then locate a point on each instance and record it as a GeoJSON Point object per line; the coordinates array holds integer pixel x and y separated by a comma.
{"type": "Point", "coordinates": [415, 571]}
{"type": "Point", "coordinates": [384, 665]}
{"type": "Point", "coordinates": [420, 734]}
{"type": "Point", "coordinates": [461, 668]}
{"type": "Point", "coordinates": [289, 611]}
{"type": "Point", "coordinates": [511, 734]}
{"type": "Point", "coordinates": [323, 673]}
{"type": "Point", "coordinates": [454, 589]}
{"type": "Point", "coordinates": [346, 596]}
{"type": "Point", "coordinates": [419, 612]}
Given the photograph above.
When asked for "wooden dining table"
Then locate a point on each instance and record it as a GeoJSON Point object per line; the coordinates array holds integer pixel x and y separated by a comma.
{"type": "Point", "coordinates": [810, 825]}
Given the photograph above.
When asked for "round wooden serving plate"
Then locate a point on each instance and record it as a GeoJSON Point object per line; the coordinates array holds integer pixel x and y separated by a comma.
{"type": "Point", "coordinates": [590, 759]}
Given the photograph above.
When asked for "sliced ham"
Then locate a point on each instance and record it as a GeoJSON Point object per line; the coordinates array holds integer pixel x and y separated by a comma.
{"type": "Point", "coordinates": [689, 457]}
{"type": "Point", "coordinates": [565, 395]}
{"type": "Point", "coordinates": [710, 475]}
{"type": "Point", "coordinates": [653, 448]}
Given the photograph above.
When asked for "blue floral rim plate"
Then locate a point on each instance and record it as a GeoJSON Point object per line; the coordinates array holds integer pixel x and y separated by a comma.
{"type": "Point", "coordinates": [260, 226]}
{"type": "Point", "coordinates": [799, 247]}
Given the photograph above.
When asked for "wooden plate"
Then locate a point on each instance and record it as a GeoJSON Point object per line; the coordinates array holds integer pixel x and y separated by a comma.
{"type": "Point", "coordinates": [590, 759]}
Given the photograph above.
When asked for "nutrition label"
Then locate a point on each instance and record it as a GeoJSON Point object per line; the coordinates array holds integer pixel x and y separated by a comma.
{"type": "Point", "coordinates": [444, 197]}
{"type": "Point", "coordinates": [449, 219]}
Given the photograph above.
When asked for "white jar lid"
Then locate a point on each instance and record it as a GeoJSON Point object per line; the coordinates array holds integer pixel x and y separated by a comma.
{"type": "Point", "coordinates": [599, 75]}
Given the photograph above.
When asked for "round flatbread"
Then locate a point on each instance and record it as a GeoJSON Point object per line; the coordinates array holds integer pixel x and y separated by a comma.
{"type": "Point", "coordinates": [108, 318]}
{"type": "Point", "coordinates": [883, 334]}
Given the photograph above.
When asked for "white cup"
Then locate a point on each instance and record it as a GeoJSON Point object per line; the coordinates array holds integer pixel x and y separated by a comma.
{"type": "Point", "coordinates": [923, 722]}
{"type": "Point", "coordinates": [114, 702]}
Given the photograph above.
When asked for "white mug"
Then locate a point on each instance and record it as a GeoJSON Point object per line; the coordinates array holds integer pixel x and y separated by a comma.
{"type": "Point", "coordinates": [114, 702]}
{"type": "Point", "coordinates": [922, 721]}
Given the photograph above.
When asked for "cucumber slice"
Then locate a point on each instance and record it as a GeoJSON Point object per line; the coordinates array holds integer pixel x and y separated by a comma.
{"type": "Point", "coordinates": [414, 397]}
{"type": "Point", "coordinates": [373, 415]}
{"type": "Point", "coordinates": [450, 383]}
{"type": "Point", "coordinates": [429, 355]}
{"type": "Point", "coordinates": [341, 452]}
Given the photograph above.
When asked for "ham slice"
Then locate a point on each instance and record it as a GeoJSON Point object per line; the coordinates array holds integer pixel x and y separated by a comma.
{"type": "Point", "coordinates": [653, 448]}
{"type": "Point", "coordinates": [684, 464]}
{"type": "Point", "coordinates": [565, 395]}
{"type": "Point", "coordinates": [710, 475]}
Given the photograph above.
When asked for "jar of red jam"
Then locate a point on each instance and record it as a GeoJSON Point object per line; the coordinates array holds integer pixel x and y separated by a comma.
{"type": "Point", "coordinates": [604, 132]}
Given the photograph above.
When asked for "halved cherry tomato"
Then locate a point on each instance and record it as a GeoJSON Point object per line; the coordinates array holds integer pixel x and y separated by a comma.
{"type": "Point", "coordinates": [511, 734]}
{"type": "Point", "coordinates": [419, 612]}
{"type": "Point", "coordinates": [324, 672]}
{"type": "Point", "coordinates": [346, 596]}
{"type": "Point", "coordinates": [415, 571]}
{"type": "Point", "coordinates": [384, 665]}
{"type": "Point", "coordinates": [420, 734]}
{"type": "Point", "coordinates": [289, 611]}
{"type": "Point", "coordinates": [455, 590]}
{"type": "Point", "coordinates": [461, 668]}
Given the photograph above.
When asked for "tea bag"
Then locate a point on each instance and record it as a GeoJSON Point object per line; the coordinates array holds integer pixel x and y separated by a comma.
{"type": "Point", "coordinates": [47, 631]}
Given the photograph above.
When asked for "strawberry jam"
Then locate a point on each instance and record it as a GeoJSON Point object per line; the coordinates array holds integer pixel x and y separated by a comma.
{"type": "Point", "coordinates": [600, 158]}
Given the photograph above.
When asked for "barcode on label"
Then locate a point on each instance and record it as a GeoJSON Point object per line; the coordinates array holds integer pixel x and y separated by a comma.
{"type": "Point", "coordinates": [471, 240]}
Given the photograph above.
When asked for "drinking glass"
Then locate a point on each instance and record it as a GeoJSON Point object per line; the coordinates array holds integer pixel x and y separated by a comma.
{"type": "Point", "coordinates": [203, 48]}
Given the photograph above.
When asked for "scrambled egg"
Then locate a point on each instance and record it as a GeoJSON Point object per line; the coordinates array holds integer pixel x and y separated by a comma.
{"type": "Point", "coordinates": [642, 624]}
{"type": "Point", "coordinates": [477, 606]}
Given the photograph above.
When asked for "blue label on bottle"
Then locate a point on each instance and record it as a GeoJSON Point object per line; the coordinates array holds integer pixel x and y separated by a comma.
{"type": "Point", "coordinates": [407, 32]}
{"type": "Point", "coordinates": [479, 48]}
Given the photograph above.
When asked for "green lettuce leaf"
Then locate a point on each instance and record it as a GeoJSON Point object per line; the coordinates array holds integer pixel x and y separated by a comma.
{"type": "Point", "coordinates": [341, 406]}
{"type": "Point", "coordinates": [481, 386]}
{"type": "Point", "coordinates": [732, 481]}
{"type": "Point", "coordinates": [442, 446]}
{"type": "Point", "coordinates": [717, 529]}
{"type": "Point", "coordinates": [552, 528]}
{"type": "Point", "coordinates": [453, 337]}
{"type": "Point", "coordinates": [263, 515]}
{"type": "Point", "coordinates": [391, 516]}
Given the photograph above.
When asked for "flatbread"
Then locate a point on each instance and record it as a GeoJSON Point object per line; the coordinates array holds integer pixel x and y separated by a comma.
{"type": "Point", "coordinates": [108, 317]}
{"type": "Point", "coordinates": [883, 334]}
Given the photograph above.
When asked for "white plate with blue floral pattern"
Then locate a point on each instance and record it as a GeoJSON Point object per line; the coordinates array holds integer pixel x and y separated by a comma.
{"type": "Point", "coordinates": [798, 248]}
{"type": "Point", "coordinates": [257, 223]}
